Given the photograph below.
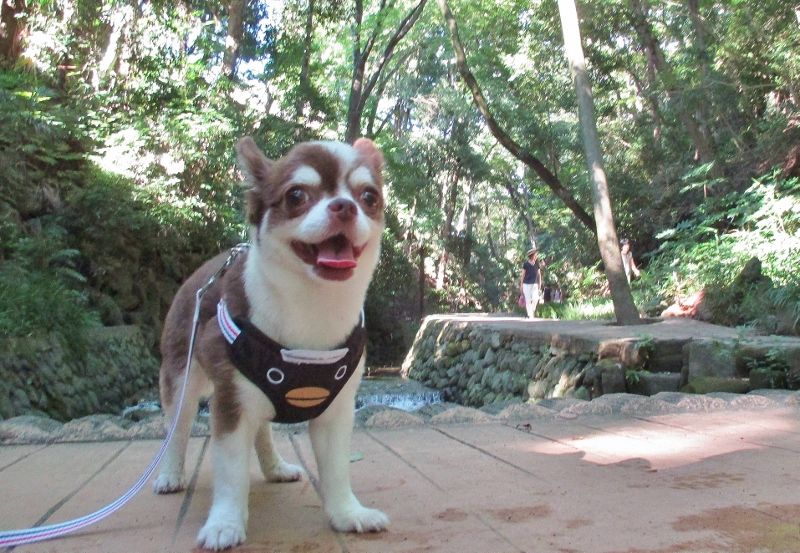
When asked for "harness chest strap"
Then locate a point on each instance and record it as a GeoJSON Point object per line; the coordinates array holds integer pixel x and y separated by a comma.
{"type": "Point", "coordinates": [300, 383]}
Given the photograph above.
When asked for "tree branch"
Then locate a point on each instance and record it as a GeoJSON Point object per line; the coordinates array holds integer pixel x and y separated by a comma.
{"type": "Point", "coordinates": [508, 143]}
{"type": "Point", "coordinates": [405, 25]}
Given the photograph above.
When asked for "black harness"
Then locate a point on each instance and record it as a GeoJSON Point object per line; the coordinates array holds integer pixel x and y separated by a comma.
{"type": "Point", "coordinates": [301, 384]}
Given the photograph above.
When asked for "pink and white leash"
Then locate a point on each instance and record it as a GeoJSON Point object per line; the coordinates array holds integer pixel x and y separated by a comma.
{"type": "Point", "coordinates": [11, 538]}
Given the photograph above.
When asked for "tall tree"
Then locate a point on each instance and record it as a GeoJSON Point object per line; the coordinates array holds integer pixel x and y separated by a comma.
{"type": "Point", "coordinates": [449, 198]}
{"type": "Point", "coordinates": [12, 30]}
{"type": "Point", "coordinates": [704, 144]}
{"type": "Point", "coordinates": [233, 41]}
{"type": "Point", "coordinates": [361, 84]}
{"type": "Point", "coordinates": [624, 308]}
{"type": "Point", "coordinates": [304, 87]}
{"type": "Point", "coordinates": [502, 136]}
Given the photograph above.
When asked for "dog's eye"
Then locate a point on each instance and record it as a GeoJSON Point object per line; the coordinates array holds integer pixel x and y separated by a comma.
{"type": "Point", "coordinates": [296, 196]}
{"type": "Point", "coordinates": [370, 198]}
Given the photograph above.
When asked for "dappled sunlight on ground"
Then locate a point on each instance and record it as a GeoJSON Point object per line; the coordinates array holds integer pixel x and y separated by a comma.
{"type": "Point", "coordinates": [664, 444]}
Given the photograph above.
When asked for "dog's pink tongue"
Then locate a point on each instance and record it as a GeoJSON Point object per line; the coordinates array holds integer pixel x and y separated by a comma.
{"type": "Point", "coordinates": [336, 254]}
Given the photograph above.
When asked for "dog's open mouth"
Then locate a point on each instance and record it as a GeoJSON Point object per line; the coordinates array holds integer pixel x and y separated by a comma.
{"type": "Point", "coordinates": [334, 258]}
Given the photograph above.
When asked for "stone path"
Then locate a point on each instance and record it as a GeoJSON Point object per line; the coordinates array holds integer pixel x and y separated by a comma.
{"type": "Point", "coordinates": [620, 474]}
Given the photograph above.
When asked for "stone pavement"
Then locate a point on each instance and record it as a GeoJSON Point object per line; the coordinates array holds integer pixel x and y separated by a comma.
{"type": "Point", "coordinates": [672, 473]}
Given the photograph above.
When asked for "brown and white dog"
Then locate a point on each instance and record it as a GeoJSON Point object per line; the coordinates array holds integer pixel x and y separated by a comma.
{"type": "Point", "coordinates": [316, 219]}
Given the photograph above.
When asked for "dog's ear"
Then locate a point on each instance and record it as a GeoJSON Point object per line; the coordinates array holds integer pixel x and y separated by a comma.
{"type": "Point", "coordinates": [256, 168]}
{"type": "Point", "coordinates": [253, 163]}
{"type": "Point", "coordinates": [371, 153]}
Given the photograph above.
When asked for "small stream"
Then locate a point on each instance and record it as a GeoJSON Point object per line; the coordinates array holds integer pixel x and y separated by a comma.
{"type": "Point", "coordinates": [394, 392]}
{"type": "Point", "coordinates": [404, 401]}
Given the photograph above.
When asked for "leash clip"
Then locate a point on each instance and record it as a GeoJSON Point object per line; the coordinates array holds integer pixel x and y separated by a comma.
{"type": "Point", "coordinates": [235, 252]}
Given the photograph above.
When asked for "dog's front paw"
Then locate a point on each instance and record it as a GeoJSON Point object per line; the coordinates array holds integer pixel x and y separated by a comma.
{"type": "Point", "coordinates": [284, 472]}
{"type": "Point", "coordinates": [216, 535]}
{"type": "Point", "coordinates": [358, 518]}
{"type": "Point", "coordinates": [169, 482]}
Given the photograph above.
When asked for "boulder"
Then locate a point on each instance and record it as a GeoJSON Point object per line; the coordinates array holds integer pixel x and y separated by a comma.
{"type": "Point", "coordinates": [708, 384]}
{"type": "Point", "coordinates": [612, 377]}
{"type": "Point", "coordinates": [693, 306]}
{"type": "Point", "coordinates": [710, 358]}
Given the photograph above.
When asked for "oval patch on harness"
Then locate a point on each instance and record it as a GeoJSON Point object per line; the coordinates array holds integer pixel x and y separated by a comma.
{"type": "Point", "coordinates": [309, 396]}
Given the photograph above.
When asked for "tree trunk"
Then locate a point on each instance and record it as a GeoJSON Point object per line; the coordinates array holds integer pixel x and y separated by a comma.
{"type": "Point", "coordinates": [508, 143]}
{"type": "Point", "coordinates": [449, 207]}
{"type": "Point", "coordinates": [234, 39]}
{"type": "Point", "coordinates": [703, 144]}
{"type": "Point", "coordinates": [651, 101]}
{"type": "Point", "coordinates": [304, 86]}
{"type": "Point", "coordinates": [624, 307]}
{"type": "Point", "coordinates": [705, 65]}
{"type": "Point", "coordinates": [489, 239]}
{"type": "Point", "coordinates": [421, 282]}
{"type": "Point", "coordinates": [352, 120]}
{"type": "Point", "coordinates": [12, 30]}
{"type": "Point", "coordinates": [120, 19]}
{"type": "Point", "coordinates": [361, 87]}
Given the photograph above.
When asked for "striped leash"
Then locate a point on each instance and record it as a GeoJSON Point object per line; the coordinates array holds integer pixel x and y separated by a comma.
{"type": "Point", "coordinates": [11, 538]}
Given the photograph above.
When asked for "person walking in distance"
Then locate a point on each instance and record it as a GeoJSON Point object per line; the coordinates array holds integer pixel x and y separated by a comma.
{"type": "Point", "coordinates": [627, 259]}
{"type": "Point", "coordinates": [531, 282]}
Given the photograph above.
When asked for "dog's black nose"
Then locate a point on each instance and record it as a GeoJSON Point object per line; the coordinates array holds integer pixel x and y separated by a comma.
{"type": "Point", "coordinates": [344, 209]}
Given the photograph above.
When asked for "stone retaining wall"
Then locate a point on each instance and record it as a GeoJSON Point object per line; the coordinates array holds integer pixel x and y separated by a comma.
{"type": "Point", "coordinates": [482, 361]}
{"type": "Point", "coordinates": [476, 366]}
{"type": "Point", "coordinates": [38, 376]}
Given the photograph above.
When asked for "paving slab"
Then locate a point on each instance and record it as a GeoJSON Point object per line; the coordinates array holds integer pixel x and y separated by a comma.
{"type": "Point", "coordinates": [719, 481]}
{"type": "Point", "coordinates": [10, 456]}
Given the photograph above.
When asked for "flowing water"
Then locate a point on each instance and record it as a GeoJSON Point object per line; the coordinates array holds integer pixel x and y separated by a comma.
{"type": "Point", "coordinates": [404, 401]}
{"type": "Point", "coordinates": [391, 391]}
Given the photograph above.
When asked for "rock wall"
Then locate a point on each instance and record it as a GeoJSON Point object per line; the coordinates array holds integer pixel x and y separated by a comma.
{"type": "Point", "coordinates": [482, 360]}
{"type": "Point", "coordinates": [476, 366]}
{"type": "Point", "coordinates": [38, 376]}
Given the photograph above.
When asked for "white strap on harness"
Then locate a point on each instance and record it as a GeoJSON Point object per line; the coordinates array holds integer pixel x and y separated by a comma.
{"type": "Point", "coordinates": [229, 329]}
{"type": "Point", "coordinates": [297, 356]}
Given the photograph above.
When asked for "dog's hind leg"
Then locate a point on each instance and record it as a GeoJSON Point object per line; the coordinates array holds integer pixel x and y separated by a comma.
{"type": "Point", "coordinates": [171, 475]}
{"type": "Point", "coordinates": [274, 468]}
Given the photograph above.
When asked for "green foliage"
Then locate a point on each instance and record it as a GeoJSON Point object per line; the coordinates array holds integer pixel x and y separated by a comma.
{"type": "Point", "coordinates": [391, 306]}
{"type": "Point", "coordinates": [774, 360]}
{"type": "Point", "coordinates": [41, 158]}
{"type": "Point", "coordinates": [117, 158]}
{"type": "Point", "coordinates": [645, 347]}
{"type": "Point", "coordinates": [590, 309]}
{"type": "Point", "coordinates": [41, 291]}
{"type": "Point", "coordinates": [632, 376]}
{"type": "Point", "coordinates": [708, 250]}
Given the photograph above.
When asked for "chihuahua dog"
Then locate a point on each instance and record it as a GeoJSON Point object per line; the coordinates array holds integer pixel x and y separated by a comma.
{"type": "Point", "coordinates": [280, 335]}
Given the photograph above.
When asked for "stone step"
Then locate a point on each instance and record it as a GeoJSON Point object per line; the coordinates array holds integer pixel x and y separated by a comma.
{"type": "Point", "coordinates": [650, 383]}
{"type": "Point", "coordinates": [670, 363]}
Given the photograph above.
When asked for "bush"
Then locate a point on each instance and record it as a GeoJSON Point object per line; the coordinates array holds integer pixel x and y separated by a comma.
{"type": "Point", "coordinates": [41, 293]}
{"type": "Point", "coordinates": [709, 250]}
{"type": "Point", "coordinates": [390, 305]}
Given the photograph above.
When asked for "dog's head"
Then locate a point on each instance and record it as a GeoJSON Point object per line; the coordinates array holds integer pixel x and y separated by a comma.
{"type": "Point", "coordinates": [319, 209]}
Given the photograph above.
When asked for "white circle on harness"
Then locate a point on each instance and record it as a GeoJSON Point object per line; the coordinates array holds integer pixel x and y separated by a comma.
{"type": "Point", "coordinates": [275, 376]}
{"type": "Point", "coordinates": [341, 372]}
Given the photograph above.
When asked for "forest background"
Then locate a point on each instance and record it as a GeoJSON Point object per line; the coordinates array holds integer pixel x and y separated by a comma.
{"type": "Point", "coordinates": [118, 120]}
